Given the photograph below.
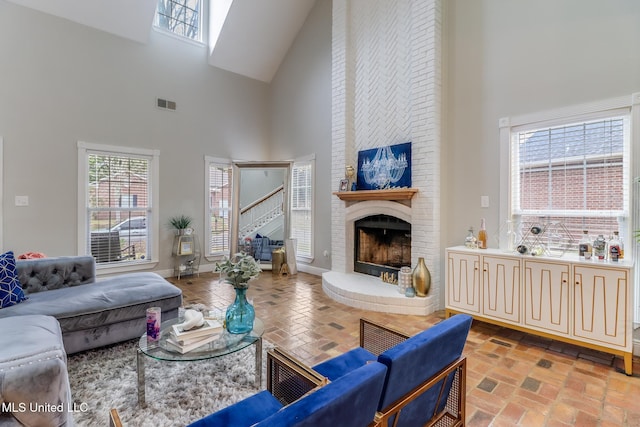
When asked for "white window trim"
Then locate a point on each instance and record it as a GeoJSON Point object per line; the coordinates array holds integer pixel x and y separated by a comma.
{"type": "Point", "coordinates": [153, 231]}
{"type": "Point", "coordinates": [311, 158]}
{"type": "Point", "coordinates": [562, 115]}
{"type": "Point", "coordinates": [208, 161]}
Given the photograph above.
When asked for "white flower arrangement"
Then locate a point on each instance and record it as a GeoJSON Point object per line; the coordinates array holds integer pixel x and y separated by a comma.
{"type": "Point", "coordinates": [239, 269]}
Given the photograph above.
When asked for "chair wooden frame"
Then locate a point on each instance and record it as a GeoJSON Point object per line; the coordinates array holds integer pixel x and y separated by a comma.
{"type": "Point", "coordinates": [289, 379]}
{"type": "Point", "coordinates": [377, 339]}
{"type": "Point", "coordinates": [114, 418]}
{"type": "Point", "coordinates": [452, 415]}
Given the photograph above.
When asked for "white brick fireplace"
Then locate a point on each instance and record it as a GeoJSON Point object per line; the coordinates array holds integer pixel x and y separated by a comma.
{"type": "Point", "coordinates": [386, 90]}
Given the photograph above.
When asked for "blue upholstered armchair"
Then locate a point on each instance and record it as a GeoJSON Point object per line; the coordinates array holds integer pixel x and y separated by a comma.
{"type": "Point", "coordinates": [298, 397]}
{"type": "Point", "coordinates": [425, 373]}
{"type": "Point", "coordinates": [419, 380]}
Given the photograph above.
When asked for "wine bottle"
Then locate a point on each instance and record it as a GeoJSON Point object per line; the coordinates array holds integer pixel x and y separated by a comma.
{"type": "Point", "coordinates": [482, 235]}
{"type": "Point", "coordinates": [584, 246]}
{"type": "Point", "coordinates": [600, 248]}
{"type": "Point", "coordinates": [614, 247]}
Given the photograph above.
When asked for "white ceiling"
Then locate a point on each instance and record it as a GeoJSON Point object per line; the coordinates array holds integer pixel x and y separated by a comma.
{"type": "Point", "coordinates": [257, 35]}
{"type": "Point", "coordinates": [105, 15]}
{"type": "Point", "coordinates": [254, 39]}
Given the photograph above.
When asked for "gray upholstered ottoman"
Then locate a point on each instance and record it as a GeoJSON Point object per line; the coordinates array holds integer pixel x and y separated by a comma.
{"type": "Point", "coordinates": [34, 384]}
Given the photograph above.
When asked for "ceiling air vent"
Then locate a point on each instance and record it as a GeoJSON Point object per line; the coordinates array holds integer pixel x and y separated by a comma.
{"type": "Point", "coordinates": [166, 104]}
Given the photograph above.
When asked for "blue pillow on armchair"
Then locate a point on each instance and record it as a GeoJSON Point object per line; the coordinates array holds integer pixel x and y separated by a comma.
{"type": "Point", "coordinates": [10, 288]}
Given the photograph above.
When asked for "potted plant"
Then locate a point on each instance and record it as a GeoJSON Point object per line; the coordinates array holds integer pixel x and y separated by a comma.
{"type": "Point", "coordinates": [180, 222]}
{"type": "Point", "coordinates": [238, 271]}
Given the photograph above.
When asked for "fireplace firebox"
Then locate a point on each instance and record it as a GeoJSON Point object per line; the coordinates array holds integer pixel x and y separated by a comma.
{"type": "Point", "coordinates": [382, 245]}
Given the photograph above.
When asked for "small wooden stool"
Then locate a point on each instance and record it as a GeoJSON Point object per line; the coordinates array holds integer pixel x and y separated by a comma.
{"type": "Point", "coordinates": [284, 269]}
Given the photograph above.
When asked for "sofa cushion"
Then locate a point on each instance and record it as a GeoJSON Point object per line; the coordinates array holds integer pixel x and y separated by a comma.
{"type": "Point", "coordinates": [247, 412]}
{"type": "Point", "coordinates": [10, 289]}
{"type": "Point", "coordinates": [108, 301]}
{"type": "Point", "coordinates": [44, 274]}
{"type": "Point", "coordinates": [348, 401]}
{"type": "Point", "coordinates": [418, 359]}
{"type": "Point", "coordinates": [33, 372]}
{"type": "Point", "coordinates": [340, 365]}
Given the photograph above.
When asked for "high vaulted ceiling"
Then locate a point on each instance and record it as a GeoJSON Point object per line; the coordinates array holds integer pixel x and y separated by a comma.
{"type": "Point", "coordinates": [254, 39]}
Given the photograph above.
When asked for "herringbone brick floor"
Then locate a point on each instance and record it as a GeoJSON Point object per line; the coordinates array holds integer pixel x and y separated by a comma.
{"type": "Point", "coordinates": [513, 379]}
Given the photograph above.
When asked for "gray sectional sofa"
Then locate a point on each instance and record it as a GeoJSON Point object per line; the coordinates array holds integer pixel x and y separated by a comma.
{"type": "Point", "coordinates": [67, 310]}
{"type": "Point", "coordinates": [34, 384]}
{"type": "Point", "coordinates": [92, 312]}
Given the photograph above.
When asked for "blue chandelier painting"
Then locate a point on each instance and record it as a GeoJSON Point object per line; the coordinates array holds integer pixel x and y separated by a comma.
{"type": "Point", "coordinates": [384, 167]}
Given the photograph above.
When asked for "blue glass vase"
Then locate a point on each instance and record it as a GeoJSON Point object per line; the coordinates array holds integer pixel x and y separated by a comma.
{"type": "Point", "coordinates": [240, 314]}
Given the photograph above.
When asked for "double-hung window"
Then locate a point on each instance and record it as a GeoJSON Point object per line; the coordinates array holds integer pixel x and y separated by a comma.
{"type": "Point", "coordinates": [570, 172]}
{"type": "Point", "coordinates": [116, 204]}
{"type": "Point", "coordinates": [219, 208]}
{"type": "Point", "coordinates": [180, 17]}
{"type": "Point", "coordinates": [302, 208]}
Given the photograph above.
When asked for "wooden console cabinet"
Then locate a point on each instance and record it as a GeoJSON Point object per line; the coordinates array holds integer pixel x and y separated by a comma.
{"type": "Point", "coordinates": [587, 303]}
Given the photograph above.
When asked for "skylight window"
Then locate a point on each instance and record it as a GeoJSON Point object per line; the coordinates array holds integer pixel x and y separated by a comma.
{"type": "Point", "coordinates": [180, 17]}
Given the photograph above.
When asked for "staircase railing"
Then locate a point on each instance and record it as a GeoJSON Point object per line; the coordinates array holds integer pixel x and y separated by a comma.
{"type": "Point", "coordinates": [261, 212]}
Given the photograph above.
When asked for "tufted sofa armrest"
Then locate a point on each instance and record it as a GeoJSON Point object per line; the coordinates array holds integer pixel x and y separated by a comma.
{"type": "Point", "coordinates": [43, 274]}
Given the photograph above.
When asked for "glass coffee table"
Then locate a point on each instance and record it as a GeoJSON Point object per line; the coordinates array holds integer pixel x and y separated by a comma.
{"type": "Point", "coordinates": [228, 343]}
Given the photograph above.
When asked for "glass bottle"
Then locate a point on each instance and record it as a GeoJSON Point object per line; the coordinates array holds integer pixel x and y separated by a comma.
{"type": "Point", "coordinates": [584, 245]}
{"type": "Point", "coordinates": [614, 247]}
{"type": "Point", "coordinates": [482, 235]}
{"type": "Point", "coordinates": [600, 248]}
{"type": "Point", "coordinates": [470, 241]}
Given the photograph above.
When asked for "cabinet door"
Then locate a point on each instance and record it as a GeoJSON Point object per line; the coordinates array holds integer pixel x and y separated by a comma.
{"type": "Point", "coordinates": [501, 288]}
{"type": "Point", "coordinates": [546, 296]}
{"type": "Point", "coordinates": [601, 305]}
{"type": "Point", "coordinates": [463, 281]}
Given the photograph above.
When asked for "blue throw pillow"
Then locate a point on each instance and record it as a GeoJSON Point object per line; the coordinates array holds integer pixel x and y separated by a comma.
{"type": "Point", "coordinates": [10, 289]}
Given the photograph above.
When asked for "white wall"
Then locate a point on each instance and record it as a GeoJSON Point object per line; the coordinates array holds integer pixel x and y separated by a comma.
{"type": "Point", "coordinates": [256, 183]}
{"type": "Point", "coordinates": [301, 115]}
{"type": "Point", "coordinates": [61, 82]}
{"type": "Point", "coordinates": [511, 57]}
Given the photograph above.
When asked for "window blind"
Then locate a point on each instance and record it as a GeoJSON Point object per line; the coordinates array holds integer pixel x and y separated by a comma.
{"type": "Point", "coordinates": [219, 193]}
{"type": "Point", "coordinates": [576, 174]}
{"type": "Point", "coordinates": [118, 207]}
{"type": "Point", "coordinates": [301, 208]}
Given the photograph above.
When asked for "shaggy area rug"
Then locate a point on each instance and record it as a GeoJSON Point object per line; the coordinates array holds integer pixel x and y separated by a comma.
{"type": "Point", "coordinates": [177, 393]}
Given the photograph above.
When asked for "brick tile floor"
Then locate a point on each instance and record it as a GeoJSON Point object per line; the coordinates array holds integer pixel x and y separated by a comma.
{"type": "Point", "coordinates": [513, 379]}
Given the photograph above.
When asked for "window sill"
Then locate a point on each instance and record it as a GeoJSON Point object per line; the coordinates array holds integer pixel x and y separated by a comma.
{"type": "Point", "coordinates": [175, 36]}
{"type": "Point", "coordinates": [125, 267]}
{"type": "Point", "coordinates": [305, 259]}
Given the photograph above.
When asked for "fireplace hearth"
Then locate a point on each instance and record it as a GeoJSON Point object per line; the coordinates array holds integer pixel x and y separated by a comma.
{"type": "Point", "coordinates": [382, 244]}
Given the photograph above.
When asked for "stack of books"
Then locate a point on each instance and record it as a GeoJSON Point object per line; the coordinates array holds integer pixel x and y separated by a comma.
{"type": "Point", "coordinates": [184, 341]}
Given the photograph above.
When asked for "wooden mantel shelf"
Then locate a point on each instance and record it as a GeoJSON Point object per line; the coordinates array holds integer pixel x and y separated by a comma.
{"type": "Point", "coordinates": [390, 194]}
